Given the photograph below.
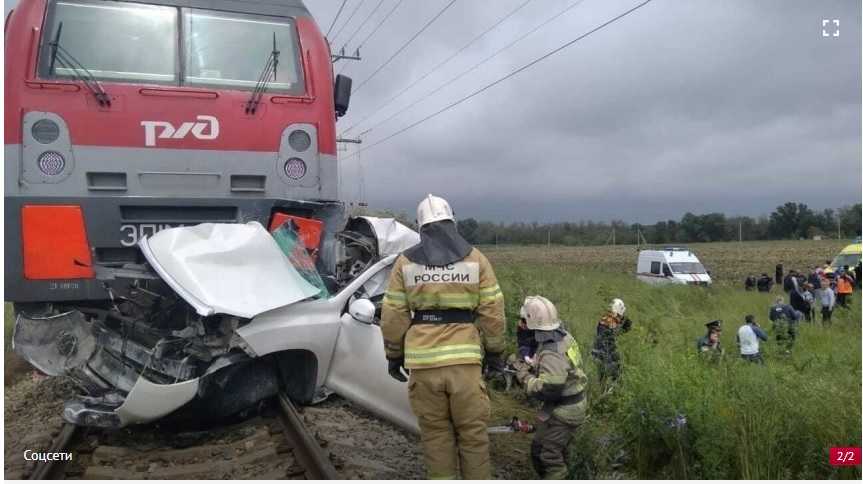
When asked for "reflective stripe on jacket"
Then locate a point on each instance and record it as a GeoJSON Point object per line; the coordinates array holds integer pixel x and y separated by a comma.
{"type": "Point", "coordinates": [469, 284]}
{"type": "Point", "coordinates": [559, 374]}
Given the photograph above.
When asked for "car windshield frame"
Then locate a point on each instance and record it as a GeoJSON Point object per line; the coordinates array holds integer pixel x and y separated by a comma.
{"type": "Point", "coordinates": [687, 268]}
{"type": "Point", "coordinates": [288, 44]}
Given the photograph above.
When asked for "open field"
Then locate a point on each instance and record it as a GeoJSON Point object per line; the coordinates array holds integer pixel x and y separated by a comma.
{"type": "Point", "coordinates": [728, 262]}
{"type": "Point", "coordinates": [742, 421]}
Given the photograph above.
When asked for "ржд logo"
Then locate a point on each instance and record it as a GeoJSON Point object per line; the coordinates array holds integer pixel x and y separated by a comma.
{"type": "Point", "coordinates": [169, 132]}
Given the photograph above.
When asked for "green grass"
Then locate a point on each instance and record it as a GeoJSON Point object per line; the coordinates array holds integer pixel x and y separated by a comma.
{"type": "Point", "coordinates": [743, 421]}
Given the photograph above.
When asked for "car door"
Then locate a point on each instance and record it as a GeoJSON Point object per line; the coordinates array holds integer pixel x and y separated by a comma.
{"type": "Point", "coordinates": [358, 370]}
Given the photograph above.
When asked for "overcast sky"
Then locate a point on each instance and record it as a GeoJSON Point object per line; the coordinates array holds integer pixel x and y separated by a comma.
{"type": "Point", "coordinates": [733, 106]}
{"type": "Point", "coordinates": [695, 105]}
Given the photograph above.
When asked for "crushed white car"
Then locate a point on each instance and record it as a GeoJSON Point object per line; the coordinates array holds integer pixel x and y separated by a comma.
{"type": "Point", "coordinates": [222, 316]}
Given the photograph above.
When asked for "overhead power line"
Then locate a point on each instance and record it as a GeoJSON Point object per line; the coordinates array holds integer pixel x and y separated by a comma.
{"type": "Point", "coordinates": [363, 23]}
{"type": "Point", "coordinates": [350, 17]}
{"type": "Point", "coordinates": [473, 67]}
{"type": "Point", "coordinates": [501, 79]}
{"type": "Point", "coordinates": [378, 26]}
{"type": "Point", "coordinates": [373, 32]}
{"type": "Point", "coordinates": [404, 46]}
{"type": "Point", "coordinates": [336, 18]}
{"type": "Point", "coordinates": [345, 43]}
{"type": "Point", "coordinates": [442, 63]}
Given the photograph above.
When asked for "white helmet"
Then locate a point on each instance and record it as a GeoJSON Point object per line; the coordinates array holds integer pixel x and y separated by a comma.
{"type": "Point", "coordinates": [617, 307]}
{"type": "Point", "coordinates": [539, 313]}
{"type": "Point", "coordinates": [433, 209]}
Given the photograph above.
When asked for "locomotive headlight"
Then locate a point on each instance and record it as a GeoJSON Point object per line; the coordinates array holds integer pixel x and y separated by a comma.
{"type": "Point", "coordinates": [299, 140]}
{"type": "Point", "coordinates": [45, 131]}
{"type": "Point", "coordinates": [295, 168]}
{"type": "Point", "coordinates": [51, 163]}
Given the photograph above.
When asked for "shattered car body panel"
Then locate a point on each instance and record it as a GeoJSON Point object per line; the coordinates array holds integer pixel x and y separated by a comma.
{"type": "Point", "coordinates": [226, 268]}
{"type": "Point", "coordinates": [219, 319]}
{"type": "Point", "coordinates": [148, 401]}
{"type": "Point", "coordinates": [392, 237]}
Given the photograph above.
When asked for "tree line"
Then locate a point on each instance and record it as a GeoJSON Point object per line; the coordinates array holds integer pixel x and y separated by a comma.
{"type": "Point", "coordinates": [791, 220]}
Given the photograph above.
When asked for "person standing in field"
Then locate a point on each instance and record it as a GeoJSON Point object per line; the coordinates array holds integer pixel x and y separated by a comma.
{"type": "Point", "coordinates": [557, 378]}
{"type": "Point", "coordinates": [709, 344]}
{"type": "Point", "coordinates": [748, 337]}
{"type": "Point", "coordinates": [442, 308]}
{"type": "Point", "coordinates": [844, 287]}
{"type": "Point", "coordinates": [785, 321]}
{"type": "Point", "coordinates": [815, 280]}
{"type": "Point", "coordinates": [610, 325]}
{"type": "Point", "coordinates": [828, 301]}
{"type": "Point", "coordinates": [789, 283]}
{"type": "Point", "coordinates": [797, 296]}
{"type": "Point", "coordinates": [765, 283]}
{"type": "Point", "coordinates": [808, 302]}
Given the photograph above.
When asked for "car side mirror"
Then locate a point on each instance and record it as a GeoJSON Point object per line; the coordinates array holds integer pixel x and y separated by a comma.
{"type": "Point", "coordinates": [342, 94]}
{"type": "Point", "coordinates": [363, 311]}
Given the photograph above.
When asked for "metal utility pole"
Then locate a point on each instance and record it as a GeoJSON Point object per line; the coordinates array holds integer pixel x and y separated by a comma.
{"type": "Point", "coordinates": [613, 239]}
{"type": "Point", "coordinates": [342, 55]}
{"type": "Point", "coordinates": [740, 231]}
{"type": "Point", "coordinates": [838, 227]}
{"type": "Point", "coordinates": [548, 238]}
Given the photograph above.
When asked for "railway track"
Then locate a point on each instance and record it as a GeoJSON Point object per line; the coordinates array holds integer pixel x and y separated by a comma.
{"type": "Point", "coordinates": [264, 447]}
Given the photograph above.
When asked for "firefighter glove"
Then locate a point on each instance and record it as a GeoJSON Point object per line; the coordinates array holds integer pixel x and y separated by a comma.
{"type": "Point", "coordinates": [627, 323]}
{"type": "Point", "coordinates": [396, 367]}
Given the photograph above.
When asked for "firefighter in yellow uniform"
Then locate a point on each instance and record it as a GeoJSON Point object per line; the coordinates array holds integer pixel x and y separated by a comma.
{"type": "Point", "coordinates": [557, 378]}
{"type": "Point", "coordinates": [442, 320]}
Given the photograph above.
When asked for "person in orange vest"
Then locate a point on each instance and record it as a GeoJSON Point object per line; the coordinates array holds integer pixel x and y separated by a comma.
{"type": "Point", "coordinates": [844, 287]}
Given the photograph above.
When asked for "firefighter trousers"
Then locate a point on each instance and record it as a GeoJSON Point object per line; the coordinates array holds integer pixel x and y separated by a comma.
{"type": "Point", "coordinates": [452, 406]}
{"type": "Point", "coordinates": [549, 447]}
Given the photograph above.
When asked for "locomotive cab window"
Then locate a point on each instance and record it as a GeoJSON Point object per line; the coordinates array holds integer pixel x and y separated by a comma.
{"type": "Point", "coordinates": [232, 50]}
{"type": "Point", "coordinates": [111, 40]}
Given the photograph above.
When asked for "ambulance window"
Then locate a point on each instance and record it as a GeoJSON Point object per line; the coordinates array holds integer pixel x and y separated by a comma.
{"type": "Point", "coordinates": [666, 271]}
{"type": "Point", "coordinates": [654, 267]}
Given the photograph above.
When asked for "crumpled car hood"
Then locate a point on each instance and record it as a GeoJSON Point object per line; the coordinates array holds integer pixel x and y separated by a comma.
{"type": "Point", "coordinates": [235, 269]}
{"type": "Point", "coordinates": [392, 236]}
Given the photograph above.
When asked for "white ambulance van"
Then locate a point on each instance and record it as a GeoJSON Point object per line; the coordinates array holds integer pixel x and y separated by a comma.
{"type": "Point", "coordinates": [671, 265]}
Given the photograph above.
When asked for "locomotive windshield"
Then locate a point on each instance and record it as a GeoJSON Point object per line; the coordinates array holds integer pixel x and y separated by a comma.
{"type": "Point", "coordinates": [114, 40]}
{"type": "Point", "coordinates": [133, 42]}
{"type": "Point", "coordinates": [227, 49]}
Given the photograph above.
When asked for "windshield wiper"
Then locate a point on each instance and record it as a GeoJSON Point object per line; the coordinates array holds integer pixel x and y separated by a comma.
{"type": "Point", "coordinates": [61, 55]}
{"type": "Point", "coordinates": [269, 69]}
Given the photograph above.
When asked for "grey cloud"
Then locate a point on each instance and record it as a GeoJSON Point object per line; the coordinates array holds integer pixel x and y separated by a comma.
{"type": "Point", "coordinates": [682, 106]}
